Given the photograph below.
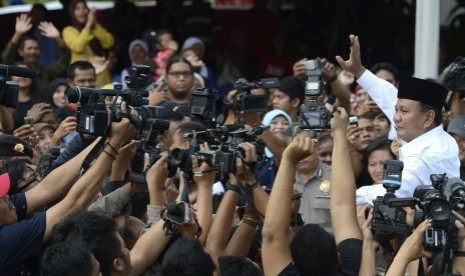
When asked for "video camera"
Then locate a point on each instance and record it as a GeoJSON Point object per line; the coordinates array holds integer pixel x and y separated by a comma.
{"type": "Point", "coordinates": [176, 214]}
{"type": "Point", "coordinates": [9, 89]}
{"type": "Point", "coordinates": [153, 120]}
{"type": "Point", "coordinates": [203, 106]}
{"type": "Point", "coordinates": [314, 114]}
{"type": "Point", "coordinates": [92, 114]}
{"type": "Point", "coordinates": [223, 142]}
{"type": "Point", "coordinates": [389, 218]}
{"type": "Point", "coordinates": [245, 101]}
{"type": "Point", "coordinates": [437, 202]}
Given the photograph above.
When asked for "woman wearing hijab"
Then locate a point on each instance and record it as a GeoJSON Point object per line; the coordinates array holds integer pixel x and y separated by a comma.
{"type": "Point", "coordinates": [278, 121]}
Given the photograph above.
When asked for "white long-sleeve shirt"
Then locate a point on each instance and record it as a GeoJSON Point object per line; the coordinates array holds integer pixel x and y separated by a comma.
{"type": "Point", "coordinates": [434, 152]}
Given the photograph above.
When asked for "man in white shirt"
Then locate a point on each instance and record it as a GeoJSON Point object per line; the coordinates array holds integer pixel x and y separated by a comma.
{"type": "Point", "coordinates": [415, 108]}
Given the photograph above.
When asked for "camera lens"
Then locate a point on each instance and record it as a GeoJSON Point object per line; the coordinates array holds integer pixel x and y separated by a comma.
{"type": "Point", "coordinates": [178, 157]}
{"type": "Point", "coordinates": [439, 209]}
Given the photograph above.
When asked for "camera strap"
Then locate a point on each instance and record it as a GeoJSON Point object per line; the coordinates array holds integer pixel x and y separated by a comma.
{"type": "Point", "coordinates": [100, 144]}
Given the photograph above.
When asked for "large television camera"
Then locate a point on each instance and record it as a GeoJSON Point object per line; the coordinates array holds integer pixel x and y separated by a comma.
{"type": "Point", "coordinates": [314, 114]}
{"type": "Point", "coordinates": [437, 202]}
{"type": "Point", "coordinates": [245, 101]}
{"type": "Point", "coordinates": [92, 114]}
{"type": "Point", "coordinates": [9, 89]}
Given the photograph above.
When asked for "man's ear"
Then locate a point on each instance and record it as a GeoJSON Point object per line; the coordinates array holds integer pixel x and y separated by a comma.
{"type": "Point", "coordinates": [295, 102]}
{"type": "Point", "coordinates": [118, 264]}
{"type": "Point", "coordinates": [69, 82]}
{"type": "Point", "coordinates": [429, 115]}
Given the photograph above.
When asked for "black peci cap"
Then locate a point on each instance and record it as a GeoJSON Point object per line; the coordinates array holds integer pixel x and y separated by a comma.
{"type": "Point", "coordinates": [12, 146]}
{"type": "Point", "coordinates": [423, 91]}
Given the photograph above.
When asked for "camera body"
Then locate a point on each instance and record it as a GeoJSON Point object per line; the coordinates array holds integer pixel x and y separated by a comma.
{"type": "Point", "coordinates": [92, 115]}
{"type": "Point", "coordinates": [246, 101]}
{"type": "Point", "coordinates": [436, 206]}
{"type": "Point", "coordinates": [203, 105]}
{"type": "Point", "coordinates": [389, 218]}
{"type": "Point", "coordinates": [314, 114]}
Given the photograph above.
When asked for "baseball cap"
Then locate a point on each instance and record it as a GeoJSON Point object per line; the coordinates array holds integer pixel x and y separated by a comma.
{"type": "Point", "coordinates": [457, 126]}
{"type": "Point", "coordinates": [4, 184]}
{"type": "Point", "coordinates": [39, 126]}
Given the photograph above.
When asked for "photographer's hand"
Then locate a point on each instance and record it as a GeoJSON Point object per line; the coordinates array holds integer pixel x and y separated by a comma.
{"type": "Point", "coordinates": [329, 71]}
{"type": "Point", "coordinates": [38, 110]}
{"type": "Point", "coordinates": [368, 266]}
{"type": "Point", "coordinates": [156, 178]}
{"type": "Point", "coordinates": [204, 176]}
{"type": "Point", "coordinates": [66, 126]}
{"type": "Point", "coordinates": [122, 161]}
{"type": "Point", "coordinates": [410, 250]}
{"type": "Point", "coordinates": [23, 132]}
{"type": "Point", "coordinates": [157, 96]}
{"type": "Point", "coordinates": [299, 68]}
{"type": "Point", "coordinates": [354, 63]}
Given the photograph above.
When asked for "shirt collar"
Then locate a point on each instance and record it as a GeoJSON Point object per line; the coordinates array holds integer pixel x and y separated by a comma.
{"type": "Point", "coordinates": [420, 142]}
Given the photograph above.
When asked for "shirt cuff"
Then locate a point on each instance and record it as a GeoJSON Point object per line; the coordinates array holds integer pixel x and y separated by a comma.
{"type": "Point", "coordinates": [367, 79]}
{"type": "Point", "coordinates": [153, 216]}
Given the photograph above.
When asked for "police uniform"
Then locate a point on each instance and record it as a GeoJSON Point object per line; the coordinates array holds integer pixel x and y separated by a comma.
{"type": "Point", "coordinates": [314, 205]}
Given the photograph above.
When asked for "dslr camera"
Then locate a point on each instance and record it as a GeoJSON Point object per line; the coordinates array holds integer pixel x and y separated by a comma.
{"type": "Point", "coordinates": [314, 114]}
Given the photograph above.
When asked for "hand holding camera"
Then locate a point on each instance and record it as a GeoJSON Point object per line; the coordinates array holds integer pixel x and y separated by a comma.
{"type": "Point", "coordinates": [157, 174]}
{"type": "Point", "coordinates": [412, 248]}
{"type": "Point", "coordinates": [245, 167]}
{"type": "Point", "coordinates": [300, 148]}
{"type": "Point", "coordinates": [38, 110]}
{"type": "Point", "coordinates": [122, 131]}
{"type": "Point", "coordinates": [24, 132]}
{"type": "Point", "coordinates": [339, 119]}
{"type": "Point", "coordinates": [204, 174]}
{"type": "Point", "coordinates": [328, 70]}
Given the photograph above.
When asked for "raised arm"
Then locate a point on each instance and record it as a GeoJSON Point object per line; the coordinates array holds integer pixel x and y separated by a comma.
{"type": "Point", "coordinates": [276, 253]}
{"type": "Point", "coordinates": [383, 93]}
{"type": "Point", "coordinates": [222, 222]}
{"type": "Point", "coordinates": [343, 211]}
{"type": "Point", "coordinates": [86, 188]}
{"type": "Point", "coordinates": [204, 177]}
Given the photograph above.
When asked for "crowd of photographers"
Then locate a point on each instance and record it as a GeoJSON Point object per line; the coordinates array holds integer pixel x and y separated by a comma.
{"type": "Point", "coordinates": [335, 170]}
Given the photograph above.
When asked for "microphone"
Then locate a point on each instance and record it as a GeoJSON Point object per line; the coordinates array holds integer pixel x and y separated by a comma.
{"type": "Point", "coordinates": [18, 71]}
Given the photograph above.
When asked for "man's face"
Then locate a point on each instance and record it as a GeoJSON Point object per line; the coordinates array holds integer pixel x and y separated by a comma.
{"type": "Point", "coordinates": [168, 136]}
{"type": "Point", "coordinates": [461, 145]}
{"type": "Point", "coordinates": [7, 211]}
{"type": "Point", "coordinates": [381, 126]}
{"type": "Point", "coordinates": [30, 52]}
{"type": "Point", "coordinates": [178, 142]}
{"type": "Point", "coordinates": [180, 80]}
{"type": "Point", "coordinates": [84, 78]}
{"type": "Point", "coordinates": [45, 134]}
{"type": "Point", "coordinates": [281, 101]}
{"type": "Point", "coordinates": [410, 121]}
{"type": "Point", "coordinates": [325, 152]}
{"type": "Point", "coordinates": [367, 132]}
{"type": "Point", "coordinates": [387, 76]}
